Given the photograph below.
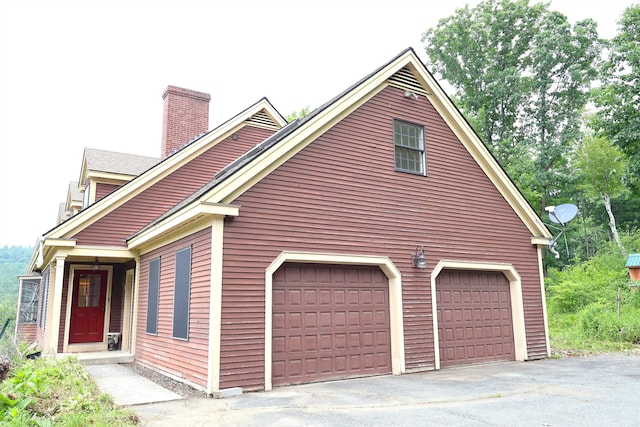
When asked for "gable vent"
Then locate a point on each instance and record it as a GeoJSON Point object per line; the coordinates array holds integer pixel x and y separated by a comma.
{"type": "Point", "coordinates": [262, 119]}
{"type": "Point", "coordinates": [405, 79]}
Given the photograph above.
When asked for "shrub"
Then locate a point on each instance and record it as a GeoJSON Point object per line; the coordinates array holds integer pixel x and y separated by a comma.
{"type": "Point", "coordinates": [568, 297]}
{"type": "Point", "coordinates": [602, 322]}
{"type": "Point", "coordinates": [50, 393]}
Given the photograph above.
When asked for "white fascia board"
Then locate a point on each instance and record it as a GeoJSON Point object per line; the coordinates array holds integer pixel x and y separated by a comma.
{"type": "Point", "coordinates": [61, 243]}
{"type": "Point", "coordinates": [101, 251]}
{"type": "Point", "coordinates": [540, 241]}
{"type": "Point", "coordinates": [110, 176]}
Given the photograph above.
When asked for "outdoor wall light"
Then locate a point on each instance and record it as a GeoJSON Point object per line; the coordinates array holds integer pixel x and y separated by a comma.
{"type": "Point", "coordinates": [409, 94]}
{"type": "Point", "coordinates": [418, 258]}
{"type": "Point", "coordinates": [96, 265]}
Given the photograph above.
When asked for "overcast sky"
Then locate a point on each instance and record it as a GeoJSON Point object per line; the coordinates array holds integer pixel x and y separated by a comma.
{"type": "Point", "coordinates": [91, 74]}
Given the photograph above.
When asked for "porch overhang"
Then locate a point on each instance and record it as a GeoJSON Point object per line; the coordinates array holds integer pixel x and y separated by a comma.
{"type": "Point", "coordinates": [192, 217]}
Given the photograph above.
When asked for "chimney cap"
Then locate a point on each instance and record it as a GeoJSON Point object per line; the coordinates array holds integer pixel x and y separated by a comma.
{"type": "Point", "coordinates": [175, 90]}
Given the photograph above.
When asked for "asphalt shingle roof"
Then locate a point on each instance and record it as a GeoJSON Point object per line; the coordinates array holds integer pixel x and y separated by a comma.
{"type": "Point", "coordinates": [113, 162]}
{"type": "Point", "coordinates": [74, 191]}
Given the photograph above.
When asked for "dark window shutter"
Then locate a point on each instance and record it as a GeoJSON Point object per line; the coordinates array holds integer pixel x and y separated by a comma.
{"type": "Point", "coordinates": [152, 297]}
{"type": "Point", "coordinates": [181, 294]}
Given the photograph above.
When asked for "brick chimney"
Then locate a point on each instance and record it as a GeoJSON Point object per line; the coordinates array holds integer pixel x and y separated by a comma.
{"type": "Point", "coordinates": [185, 116]}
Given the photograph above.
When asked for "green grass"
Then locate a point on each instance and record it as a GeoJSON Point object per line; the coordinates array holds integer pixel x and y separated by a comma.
{"type": "Point", "coordinates": [57, 393]}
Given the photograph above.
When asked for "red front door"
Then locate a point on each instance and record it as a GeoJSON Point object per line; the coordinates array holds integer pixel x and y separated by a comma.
{"type": "Point", "coordinates": [88, 306]}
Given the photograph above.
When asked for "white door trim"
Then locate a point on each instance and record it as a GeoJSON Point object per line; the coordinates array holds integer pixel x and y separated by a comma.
{"type": "Point", "coordinates": [515, 289]}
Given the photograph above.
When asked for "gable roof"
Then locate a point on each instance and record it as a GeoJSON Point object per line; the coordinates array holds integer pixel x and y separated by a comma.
{"type": "Point", "coordinates": [73, 193]}
{"type": "Point", "coordinates": [261, 114]}
{"type": "Point", "coordinates": [114, 162]}
{"type": "Point", "coordinates": [405, 71]}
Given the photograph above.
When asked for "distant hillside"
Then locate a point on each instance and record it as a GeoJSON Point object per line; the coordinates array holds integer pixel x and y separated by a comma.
{"type": "Point", "coordinates": [14, 260]}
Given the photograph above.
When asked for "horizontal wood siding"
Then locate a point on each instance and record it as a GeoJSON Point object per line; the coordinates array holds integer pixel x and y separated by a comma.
{"type": "Point", "coordinates": [115, 227]}
{"type": "Point", "coordinates": [117, 299]}
{"type": "Point", "coordinates": [179, 358]}
{"type": "Point", "coordinates": [104, 189]}
{"type": "Point", "coordinates": [341, 194]}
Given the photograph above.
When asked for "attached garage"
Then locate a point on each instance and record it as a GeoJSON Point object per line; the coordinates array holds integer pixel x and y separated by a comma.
{"type": "Point", "coordinates": [329, 322]}
{"type": "Point", "coordinates": [475, 321]}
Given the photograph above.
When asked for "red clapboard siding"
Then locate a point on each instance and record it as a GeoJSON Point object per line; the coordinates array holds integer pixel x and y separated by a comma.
{"type": "Point", "coordinates": [180, 358]}
{"type": "Point", "coordinates": [116, 310]}
{"type": "Point", "coordinates": [115, 227]}
{"type": "Point", "coordinates": [341, 194]}
{"type": "Point", "coordinates": [104, 189]}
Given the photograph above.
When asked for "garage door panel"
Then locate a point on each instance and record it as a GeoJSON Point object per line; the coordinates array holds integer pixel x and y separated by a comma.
{"type": "Point", "coordinates": [279, 345]}
{"type": "Point", "coordinates": [311, 343]}
{"type": "Point", "coordinates": [294, 297]}
{"type": "Point", "coordinates": [474, 317]}
{"type": "Point", "coordinates": [294, 344]}
{"type": "Point", "coordinates": [326, 342]}
{"type": "Point", "coordinates": [310, 320]}
{"type": "Point", "coordinates": [340, 327]}
{"type": "Point", "coordinates": [367, 318]}
{"type": "Point", "coordinates": [277, 371]}
{"type": "Point", "coordinates": [339, 319]}
{"type": "Point", "coordinates": [279, 321]}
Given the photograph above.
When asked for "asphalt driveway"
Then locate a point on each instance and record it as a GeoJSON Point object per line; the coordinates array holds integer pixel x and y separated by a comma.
{"type": "Point", "coordinates": [599, 390]}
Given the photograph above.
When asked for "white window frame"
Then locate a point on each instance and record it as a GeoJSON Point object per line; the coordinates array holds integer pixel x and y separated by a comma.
{"type": "Point", "coordinates": [399, 146]}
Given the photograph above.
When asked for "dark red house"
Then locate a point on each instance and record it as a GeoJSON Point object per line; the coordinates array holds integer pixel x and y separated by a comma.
{"type": "Point", "coordinates": [376, 235]}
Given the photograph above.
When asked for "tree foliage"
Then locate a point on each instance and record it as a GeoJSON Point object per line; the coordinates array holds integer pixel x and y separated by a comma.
{"type": "Point", "coordinates": [602, 169]}
{"type": "Point", "coordinates": [483, 53]}
{"type": "Point", "coordinates": [522, 74]}
{"type": "Point", "coordinates": [304, 111]}
{"type": "Point", "coordinates": [618, 98]}
{"type": "Point", "coordinates": [13, 262]}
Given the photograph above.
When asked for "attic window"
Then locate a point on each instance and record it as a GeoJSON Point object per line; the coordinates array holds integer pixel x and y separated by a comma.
{"type": "Point", "coordinates": [409, 146]}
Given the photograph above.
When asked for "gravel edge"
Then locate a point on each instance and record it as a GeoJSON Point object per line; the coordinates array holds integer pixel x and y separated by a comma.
{"type": "Point", "coordinates": [175, 386]}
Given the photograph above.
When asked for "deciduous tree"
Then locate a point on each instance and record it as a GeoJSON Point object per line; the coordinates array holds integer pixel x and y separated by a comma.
{"type": "Point", "coordinates": [602, 169]}
{"type": "Point", "coordinates": [619, 96]}
{"type": "Point", "coordinates": [522, 74]}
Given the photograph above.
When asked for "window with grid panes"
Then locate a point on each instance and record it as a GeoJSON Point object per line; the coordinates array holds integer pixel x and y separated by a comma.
{"type": "Point", "coordinates": [408, 140]}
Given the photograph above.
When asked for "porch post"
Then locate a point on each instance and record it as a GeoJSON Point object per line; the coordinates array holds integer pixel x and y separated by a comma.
{"type": "Point", "coordinates": [215, 304]}
{"type": "Point", "coordinates": [53, 325]}
{"type": "Point", "coordinates": [134, 299]}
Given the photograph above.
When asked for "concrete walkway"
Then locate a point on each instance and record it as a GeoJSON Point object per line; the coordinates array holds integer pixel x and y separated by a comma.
{"type": "Point", "coordinates": [128, 388]}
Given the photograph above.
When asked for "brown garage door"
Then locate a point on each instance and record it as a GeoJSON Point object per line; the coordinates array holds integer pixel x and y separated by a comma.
{"type": "Point", "coordinates": [329, 322]}
{"type": "Point", "coordinates": [474, 317]}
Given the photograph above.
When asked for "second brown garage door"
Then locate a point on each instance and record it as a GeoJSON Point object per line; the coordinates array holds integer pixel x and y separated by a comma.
{"type": "Point", "coordinates": [329, 322]}
{"type": "Point", "coordinates": [474, 317]}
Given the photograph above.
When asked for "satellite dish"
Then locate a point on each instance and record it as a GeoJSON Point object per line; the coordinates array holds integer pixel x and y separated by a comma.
{"type": "Point", "coordinates": [562, 214]}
